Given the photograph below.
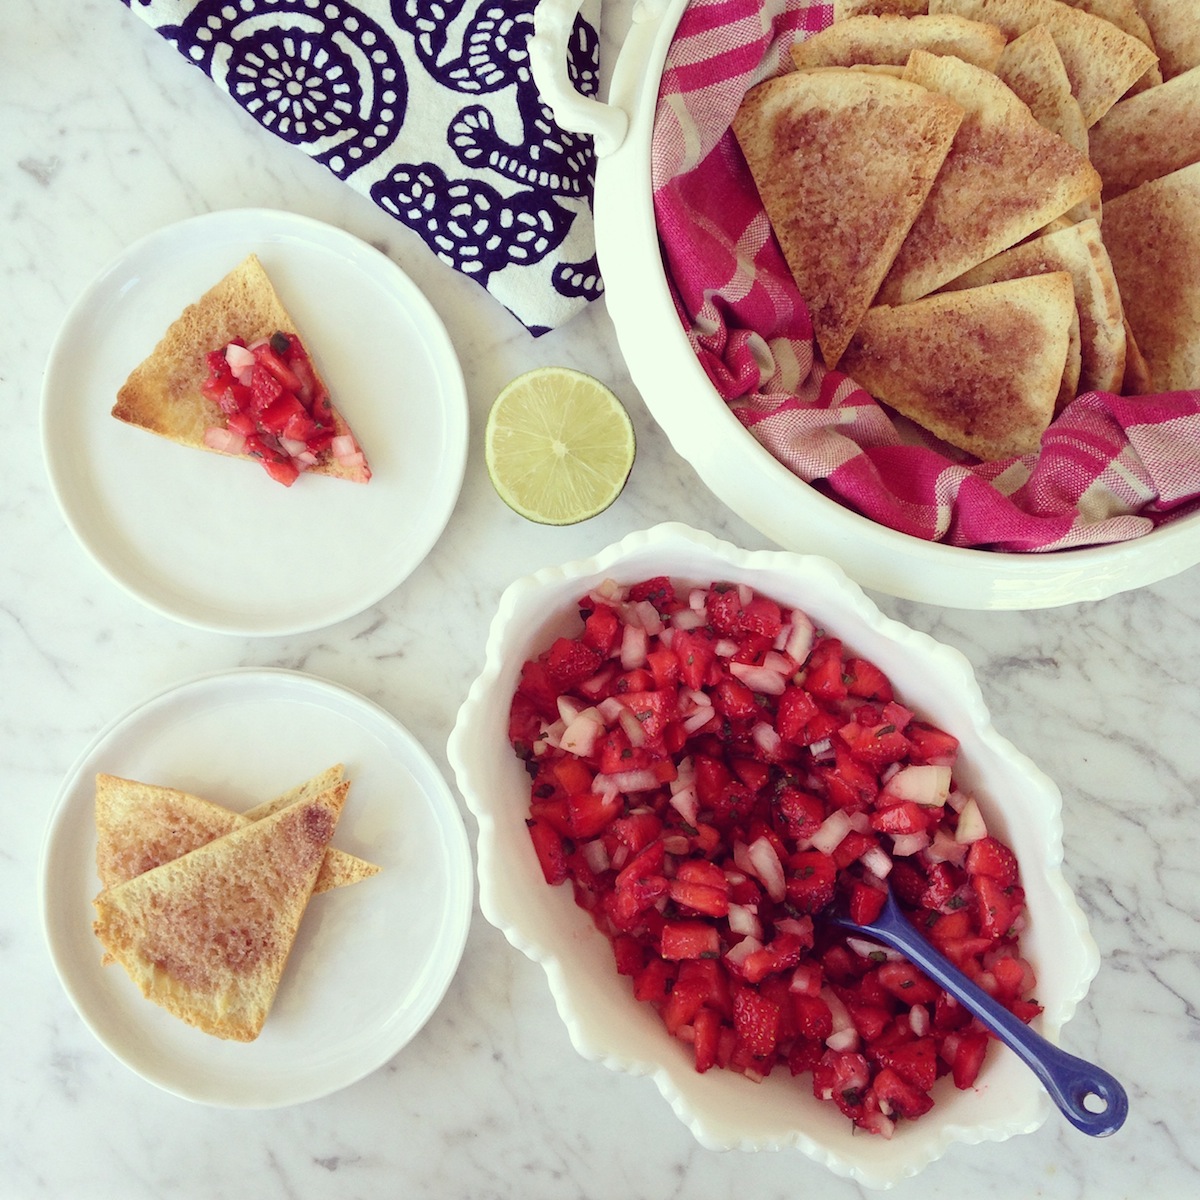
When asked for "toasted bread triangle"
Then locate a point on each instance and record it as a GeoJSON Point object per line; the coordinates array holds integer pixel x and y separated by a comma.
{"type": "Point", "coordinates": [1153, 238]}
{"type": "Point", "coordinates": [1006, 176]}
{"type": "Point", "coordinates": [1103, 62]}
{"type": "Point", "coordinates": [1174, 33]}
{"type": "Point", "coordinates": [843, 161]}
{"type": "Point", "coordinates": [163, 393]}
{"type": "Point", "coordinates": [1078, 250]}
{"type": "Point", "coordinates": [207, 936]}
{"type": "Point", "coordinates": [140, 826]}
{"type": "Point", "coordinates": [979, 368]}
{"type": "Point", "coordinates": [889, 39]}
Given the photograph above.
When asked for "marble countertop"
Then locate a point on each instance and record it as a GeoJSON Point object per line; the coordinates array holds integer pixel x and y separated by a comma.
{"type": "Point", "coordinates": [107, 135]}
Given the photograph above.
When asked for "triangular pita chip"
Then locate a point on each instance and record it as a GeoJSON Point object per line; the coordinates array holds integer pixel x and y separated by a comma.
{"type": "Point", "coordinates": [1078, 250]}
{"type": "Point", "coordinates": [843, 161]}
{"type": "Point", "coordinates": [1102, 61]}
{"type": "Point", "coordinates": [1153, 238]}
{"type": "Point", "coordinates": [163, 393]}
{"type": "Point", "coordinates": [208, 935]}
{"type": "Point", "coordinates": [1033, 68]}
{"type": "Point", "coordinates": [1149, 135]}
{"type": "Point", "coordinates": [140, 826]}
{"type": "Point", "coordinates": [1174, 33]}
{"type": "Point", "coordinates": [842, 9]}
{"type": "Point", "coordinates": [888, 40]}
{"type": "Point", "coordinates": [1006, 176]}
{"type": "Point", "coordinates": [1125, 16]}
{"type": "Point", "coordinates": [979, 368]}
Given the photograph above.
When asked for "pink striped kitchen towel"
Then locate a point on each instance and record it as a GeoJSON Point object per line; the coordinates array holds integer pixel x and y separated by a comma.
{"type": "Point", "coordinates": [1110, 468]}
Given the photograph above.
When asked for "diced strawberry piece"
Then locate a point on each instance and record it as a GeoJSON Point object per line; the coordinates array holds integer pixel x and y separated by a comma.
{"type": "Point", "coordinates": [869, 1020]}
{"type": "Point", "coordinates": [637, 830]}
{"type": "Point", "coordinates": [756, 1019]}
{"type": "Point", "coordinates": [756, 775]}
{"type": "Point", "coordinates": [800, 812]}
{"type": "Point", "coordinates": [700, 898]}
{"type": "Point", "coordinates": [850, 784]}
{"type": "Point", "coordinates": [242, 423]}
{"type": "Point", "coordinates": [602, 630]}
{"type": "Point", "coordinates": [571, 775]}
{"type": "Point", "coordinates": [722, 604]}
{"type": "Point", "coordinates": [570, 662]}
{"type": "Point", "coordinates": [852, 847]}
{"type": "Point", "coordinates": [712, 777]}
{"type": "Point", "coordinates": [554, 813]}
{"type": "Point", "coordinates": [989, 856]}
{"type": "Point", "coordinates": [811, 880]}
{"type": "Point", "coordinates": [536, 686]}
{"type": "Point", "coordinates": [907, 882]}
{"type": "Point", "coordinates": [551, 850]}
{"type": "Point", "coordinates": [266, 356]}
{"type": "Point", "coordinates": [700, 870]}
{"type": "Point", "coordinates": [652, 983]}
{"type": "Point", "coordinates": [653, 709]}
{"type": "Point", "coordinates": [907, 984]}
{"type": "Point", "coordinates": [941, 886]}
{"type": "Point", "coordinates": [968, 1058]}
{"type": "Point", "coordinates": [590, 813]}
{"type": "Point", "coordinates": [793, 712]}
{"type": "Point", "coordinates": [735, 803]}
{"type": "Point", "coordinates": [696, 653]}
{"type": "Point", "coordinates": [664, 666]}
{"type": "Point", "coordinates": [660, 591]}
{"type": "Point", "coordinates": [782, 953]}
{"type": "Point", "coordinates": [689, 939]}
{"type": "Point", "coordinates": [865, 679]}
{"type": "Point", "coordinates": [280, 468]}
{"type": "Point", "coordinates": [804, 1055]}
{"type": "Point", "coordinates": [735, 701]}
{"type": "Point", "coordinates": [824, 674]}
{"type": "Point", "coordinates": [812, 1015]}
{"type": "Point", "coordinates": [930, 745]}
{"type": "Point", "coordinates": [999, 906]}
{"type": "Point", "coordinates": [905, 817]}
{"type": "Point", "coordinates": [282, 409]}
{"type": "Point", "coordinates": [914, 1061]}
{"type": "Point", "coordinates": [843, 1077]}
{"type": "Point", "coordinates": [878, 745]}
{"type": "Point", "coordinates": [629, 953]}
{"type": "Point", "coordinates": [762, 618]}
{"type": "Point", "coordinates": [685, 1001]}
{"type": "Point", "coordinates": [706, 1038]}
{"type": "Point", "coordinates": [866, 902]}
{"type": "Point", "coordinates": [899, 1097]}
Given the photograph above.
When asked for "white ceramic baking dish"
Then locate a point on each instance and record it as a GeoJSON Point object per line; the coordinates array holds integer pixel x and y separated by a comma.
{"type": "Point", "coordinates": [701, 427]}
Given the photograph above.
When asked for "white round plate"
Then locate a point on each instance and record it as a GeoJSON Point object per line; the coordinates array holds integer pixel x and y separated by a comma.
{"type": "Point", "coordinates": [212, 541]}
{"type": "Point", "coordinates": [372, 961]}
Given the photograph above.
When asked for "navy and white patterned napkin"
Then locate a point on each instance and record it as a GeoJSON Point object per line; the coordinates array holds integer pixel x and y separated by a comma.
{"type": "Point", "coordinates": [429, 108]}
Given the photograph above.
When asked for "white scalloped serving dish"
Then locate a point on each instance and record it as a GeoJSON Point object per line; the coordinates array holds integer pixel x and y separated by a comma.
{"type": "Point", "coordinates": [724, 1110]}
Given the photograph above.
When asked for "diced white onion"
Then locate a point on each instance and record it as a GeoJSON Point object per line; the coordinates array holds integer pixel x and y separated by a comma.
{"type": "Point", "coordinates": [688, 618]}
{"type": "Point", "coordinates": [918, 1020]}
{"type": "Point", "coordinates": [631, 781]}
{"type": "Point", "coordinates": [697, 720]}
{"type": "Point", "coordinates": [766, 738]}
{"type": "Point", "coordinates": [971, 825]}
{"type": "Point", "coordinates": [744, 920]}
{"type": "Point", "coordinates": [239, 358]}
{"type": "Point", "coordinates": [634, 643]}
{"type": "Point", "coordinates": [877, 860]}
{"type": "Point", "coordinates": [738, 953]}
{"type": "Point", "coordinates": [595, 854]}
{"type": "Point", "coordinates": [925, 784]}
{"type": "Point", "coordinates": [764, 862]}
{"type": "Point", "coordinates": [223, 440]}
{"type": "Point", "coordinates": [759, 678]}
{"type": "Point", "coordinates": [342, 446]}
{"type": "Point", "coordinates": [686, 803]}
{"type": "Point", "coordinates": [830, 832]}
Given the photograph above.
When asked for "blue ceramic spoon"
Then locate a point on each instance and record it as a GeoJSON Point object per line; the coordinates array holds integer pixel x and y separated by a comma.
{"type": "Point", "coordinates": [1091, 1099]}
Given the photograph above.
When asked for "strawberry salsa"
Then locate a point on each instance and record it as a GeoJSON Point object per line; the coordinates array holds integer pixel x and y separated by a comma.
{"type": "Point", "coordinates": [709, 771]}
{"type": "Point", "coordinates": [276, 408]}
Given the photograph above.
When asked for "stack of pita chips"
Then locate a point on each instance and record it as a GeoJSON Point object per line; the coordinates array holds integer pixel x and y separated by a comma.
{"type": "Point", "coordinates": [201, 905]}
{"type": "Point", "coordinates": [989, 205]}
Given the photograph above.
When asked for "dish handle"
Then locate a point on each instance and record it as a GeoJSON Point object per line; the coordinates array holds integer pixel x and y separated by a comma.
{"type": "Point", "coordinates": [553, 21]}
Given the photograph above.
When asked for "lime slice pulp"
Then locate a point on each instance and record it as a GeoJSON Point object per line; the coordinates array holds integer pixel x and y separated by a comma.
{"type": "Point", "coordinates": [559, 446]}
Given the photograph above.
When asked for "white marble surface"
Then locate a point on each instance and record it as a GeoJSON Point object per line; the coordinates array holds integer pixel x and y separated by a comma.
{"type": "Point", "coordinates": [107, 134]}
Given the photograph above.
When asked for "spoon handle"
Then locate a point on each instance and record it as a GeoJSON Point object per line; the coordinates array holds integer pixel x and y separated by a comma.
{"type": "Point", "coordinates": [1090, 1098]}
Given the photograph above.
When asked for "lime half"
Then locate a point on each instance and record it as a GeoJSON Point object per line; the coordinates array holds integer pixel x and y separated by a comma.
{"type": "Point", "coordinates": [559, 446]}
